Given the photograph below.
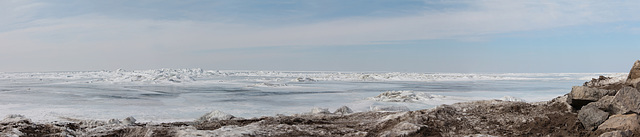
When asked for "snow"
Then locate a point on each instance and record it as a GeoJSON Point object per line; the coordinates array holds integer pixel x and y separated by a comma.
{"type": "Point", "coordinates": [318, 110]}
{"type": "Point", "coordinates": [190, 75]}
{"type": "Point", "coordinates": [216, 115]}
{"type": "Point", "coordinates": [129, 121]}
{"type": "Point", "coordinates": [512, 99]}
{"type": "Point", "coordinates": [268, 85]}
{"type": "Point", "coordinates": [343, 110]}
{"type": "Point", "coordinates": [13, 118]}
{"type": "Point", "coordinates": [405, 96]}
{"type": "Point", "coordinates": [165, 95]}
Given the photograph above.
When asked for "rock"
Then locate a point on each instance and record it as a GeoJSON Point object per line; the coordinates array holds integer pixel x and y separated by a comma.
{"type": "Point", "coordinates": [215, 115]}
{"type": "Point", "coordinates": [401, 129]}
{"type": "Point", "coordinates": [628, 100]}
{"type": "Point", "coordinates": [618, 133]}
{"type": "Point", "coordinates": [606, 104]}
{"type": "Point", "coordinates": [621, 122]}
{"type": "Point", "coordinates": [318, 110]}
{"type": "Point", "coordinates": [581, 95]}
{"type": "Point", "coordinates": [591, 117]}
{"type": "Point", "coordinates": [634, 73]}
{"type": "Point", "coordinates": [129, 121]}
{"type": "Point", "coordinates": [602, 82]}
{"type": "Point", "coordinates": [559, 100]}
{"type": "Point", "coordinates": [343, 110]}
{"type": "Point", "coordinates": [390, 108]}
{"type": "Point", "coordinates": [478, 118]}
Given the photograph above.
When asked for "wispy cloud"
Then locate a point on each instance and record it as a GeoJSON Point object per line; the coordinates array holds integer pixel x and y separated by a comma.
{"type": "Point", "coordinates": [27, 31]}
{"type": "Point", "coordinates": [480, 18]}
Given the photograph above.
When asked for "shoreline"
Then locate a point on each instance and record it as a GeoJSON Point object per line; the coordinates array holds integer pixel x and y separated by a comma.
{"type": "Point", "coordinates": [602, 107]}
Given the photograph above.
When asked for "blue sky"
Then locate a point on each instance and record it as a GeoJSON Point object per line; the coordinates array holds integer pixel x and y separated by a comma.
{"type": "Point", "coordinates": [329, 35]}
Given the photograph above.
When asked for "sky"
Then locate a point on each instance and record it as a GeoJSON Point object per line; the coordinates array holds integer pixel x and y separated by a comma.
{"type": "Point", "coordinates": [461, 36]}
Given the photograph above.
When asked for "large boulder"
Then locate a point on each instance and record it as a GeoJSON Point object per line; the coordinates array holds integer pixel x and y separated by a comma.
{"type": "Point", "coordinates": [627, 100]}
{"type": "Point", "coordinates": [621, 122]}
{"type": "Point", "coordinates": [582, 95]}
{"type": "Point", "coordinates": [591, 117]}
{"type": "Point", "coordinates": [634, 73]}
{"type": "Point", "coordinates": [606, 104]}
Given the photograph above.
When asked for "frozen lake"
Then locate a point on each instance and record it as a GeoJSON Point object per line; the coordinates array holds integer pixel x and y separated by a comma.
{"type": "Point", "coordinates": [185, 94]}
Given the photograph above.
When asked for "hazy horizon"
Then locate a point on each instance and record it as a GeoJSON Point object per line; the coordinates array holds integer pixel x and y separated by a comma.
{"type": "Point", "coordinates": [497, 36]}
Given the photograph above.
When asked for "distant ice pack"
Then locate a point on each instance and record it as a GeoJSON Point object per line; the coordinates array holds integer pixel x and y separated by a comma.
{"type": "Point", "coordinates": [190, 75]}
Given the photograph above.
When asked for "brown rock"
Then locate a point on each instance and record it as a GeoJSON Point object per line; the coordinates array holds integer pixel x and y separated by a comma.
{"type": "Point", "coordinates": [591, 117]}
{"type": "Point", "coordinates": [606, 104]}
{"type": "Point", "coordinates": [634, 73]}
{"type": "Point", "coordinates": [628, 100]}
{"type": "Point", "coordinates": [621, 122]}
{"type": "Point", "coordinates": [582, 95]}
{"type": "Point", "coordinates": [603, 82]}
{"type": "Point", "coordinates": [619, 133]}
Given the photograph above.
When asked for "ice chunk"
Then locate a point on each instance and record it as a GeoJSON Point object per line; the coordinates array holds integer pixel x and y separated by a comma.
{"type": "Point", "coordinates": [14, 118]}
{"type": "Point", "coordinates": [113, 121]}
{"type": "Point", "coordinates": [318, 110]}
{"type": "Point", "coordinates": [512, 99]}
{"type": "Point", "coordinates": [405, 96]}
{"type": "Point", "coordinates": [268, 85]}
{"type": "Point", "coordinates": [215, 115]}
{"type": "Point", "coordinates": [343, 110]}
{"type": "Point", "coordinates": [305, 80]}
{"type": "Point", "coordinates": [129, 121]}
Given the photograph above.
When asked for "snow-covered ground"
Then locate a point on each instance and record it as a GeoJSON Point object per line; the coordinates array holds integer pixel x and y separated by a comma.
{"type": "Point", "coordinates": [186, 94]}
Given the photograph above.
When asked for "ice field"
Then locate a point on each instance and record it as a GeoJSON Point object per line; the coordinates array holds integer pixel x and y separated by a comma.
{"type": "Point", "coordinates": [165, 95]}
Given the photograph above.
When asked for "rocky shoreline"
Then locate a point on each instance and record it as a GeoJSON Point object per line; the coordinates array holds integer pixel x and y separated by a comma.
{"type": "Point", "coordinates": [601, 107]}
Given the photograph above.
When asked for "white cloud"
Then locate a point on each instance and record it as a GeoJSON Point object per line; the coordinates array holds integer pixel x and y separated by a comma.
{"type": "Point", "coordinates": [99, 34]}
{"type": "Point", "coordinates": [484, 17]}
